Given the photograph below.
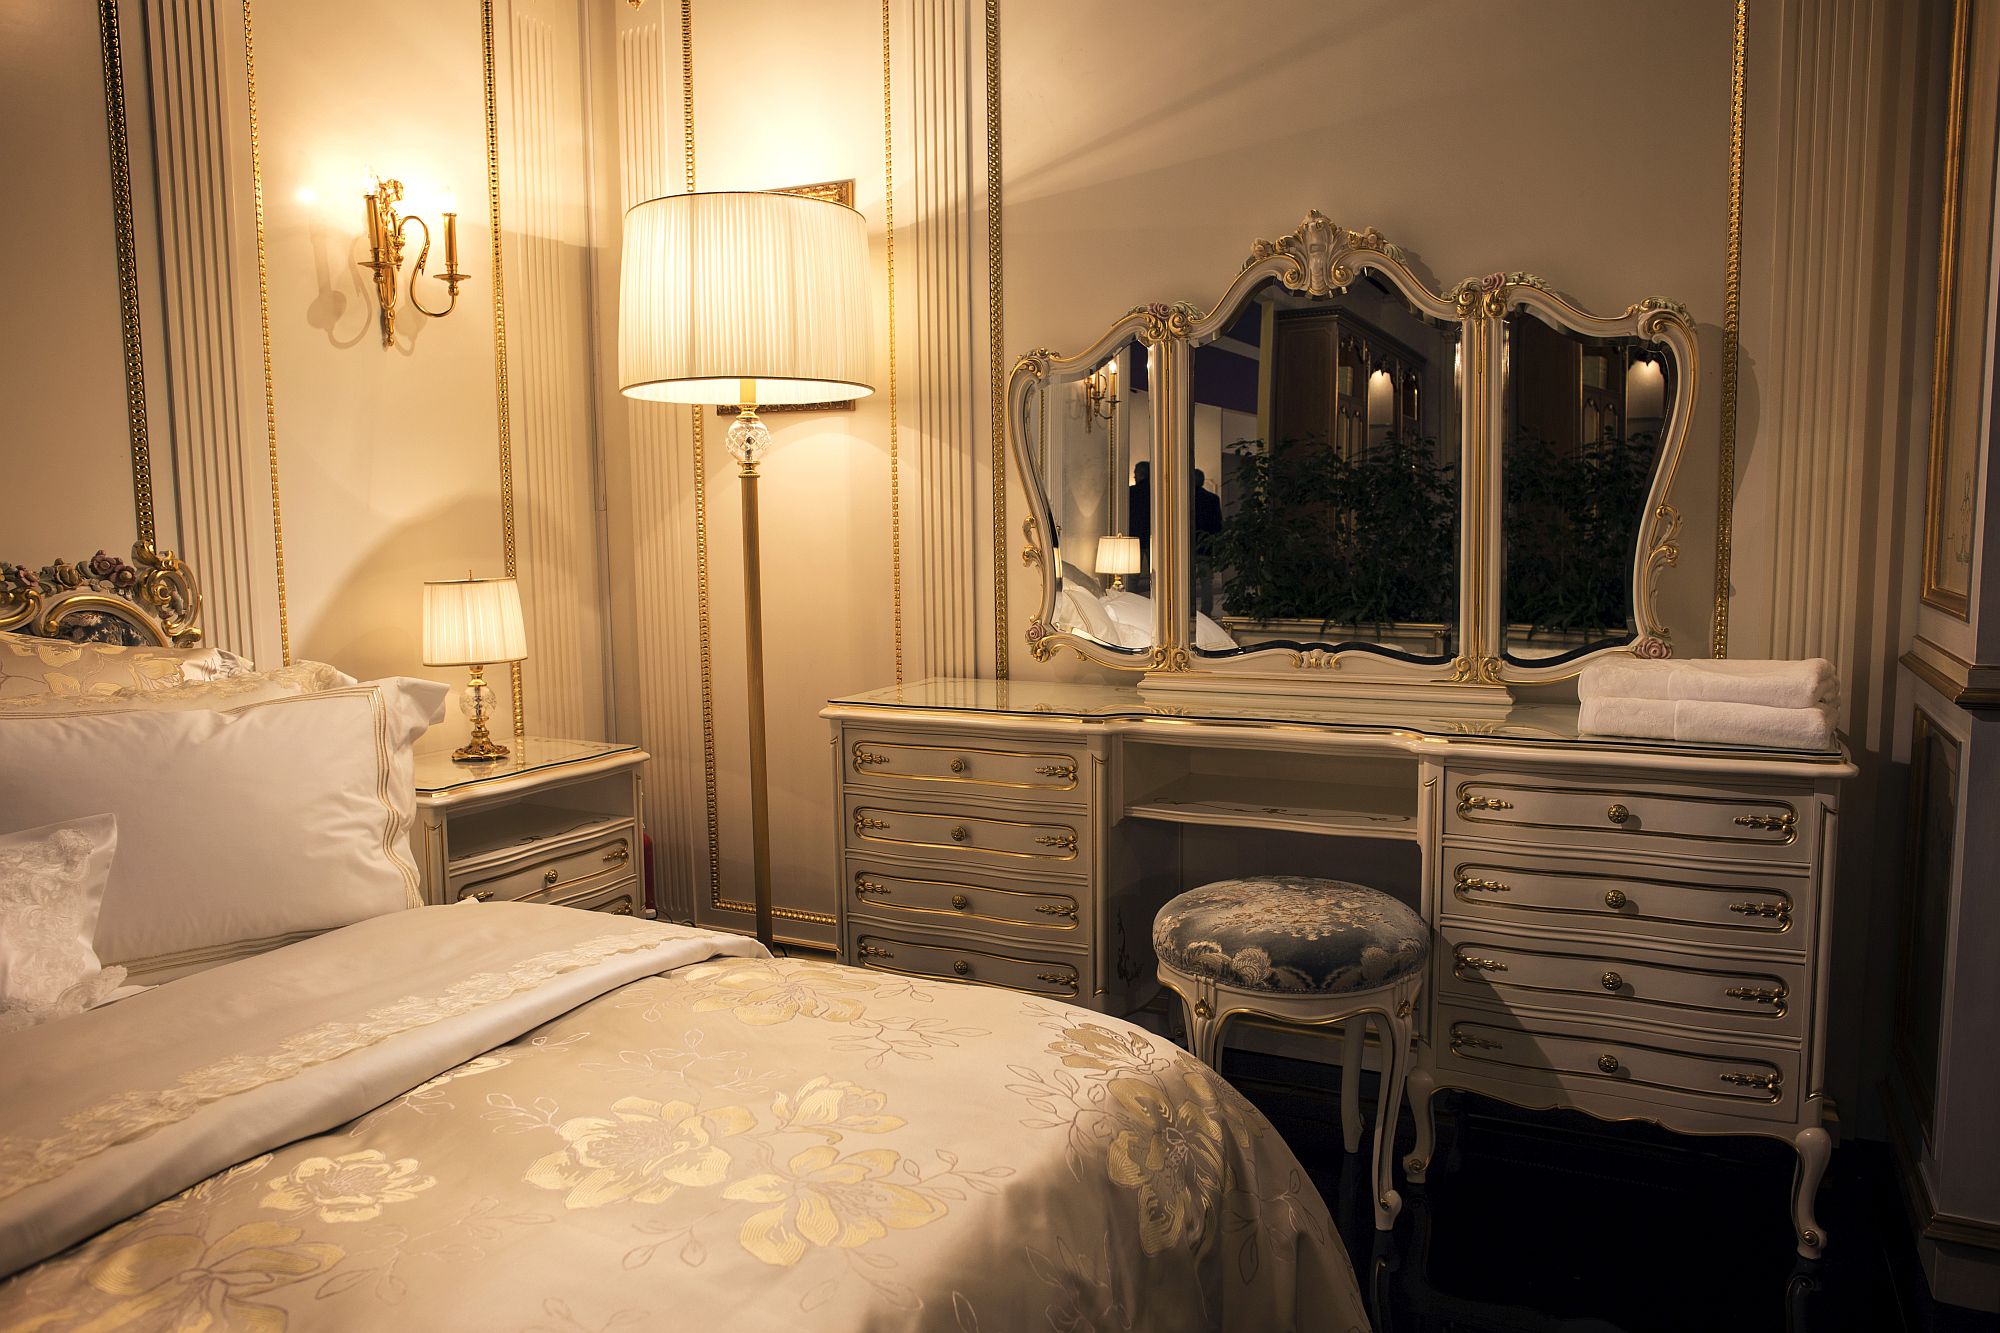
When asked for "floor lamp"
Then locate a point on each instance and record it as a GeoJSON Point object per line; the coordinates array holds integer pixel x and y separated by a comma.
{"type": "Point", "coordinates": [746, 298]}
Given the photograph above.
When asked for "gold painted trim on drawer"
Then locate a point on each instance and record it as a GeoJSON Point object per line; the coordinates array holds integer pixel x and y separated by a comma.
{"type": "Point", "coordinates": [1058, 920]}
{"type": "Point", "coordinates": [1063, 848]}
{"type": "Point", "coordinates": [864, 960]}
{"type": "Point", "coordinates": [1473, 891]}
{"type": "Point", "coordinates": [1481, 967]}
{"type": "Point", "coordinates": [1467, 1047]}
{"type": "Point", "coordinates": [1468, 806]}
{"type": "Point", "coordinates": [863, 761]}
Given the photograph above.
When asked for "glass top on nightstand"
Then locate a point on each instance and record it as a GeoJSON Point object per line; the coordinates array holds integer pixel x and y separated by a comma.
{"type": "Point", "coordinates": [438, 771]}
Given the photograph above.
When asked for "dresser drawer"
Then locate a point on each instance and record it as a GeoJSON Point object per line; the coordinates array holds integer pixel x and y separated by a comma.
{"type": "Point", "coordinates": [1725, 907]}
{"type": "Point", "coordinates": [540, 873]}
{"type": "Point", "coordinates": [1583, 1060]}
{"type": "Point", "coordinates": [971, 838]}
{"type": "Point", "coordinates": [1715, 823]}
{"type": "Point", "coordinates": [1615, 984]}
{"type": "Point", "coordinates": [1056, 977]}
{"type": "Point", "coordinates": [884, 894]}
{"type": "Point", "coordinates": [620, 898]}
{"type": "Point", "coordinates": [880, 762]}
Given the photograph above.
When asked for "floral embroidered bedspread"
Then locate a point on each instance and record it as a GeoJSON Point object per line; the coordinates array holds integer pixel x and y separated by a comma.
{"type": "Point", "coordinates": [742, 1144]}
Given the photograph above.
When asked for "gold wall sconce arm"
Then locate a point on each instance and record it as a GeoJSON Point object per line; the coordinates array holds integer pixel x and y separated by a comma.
{"type": "Point", "coordinates": [386, 239]}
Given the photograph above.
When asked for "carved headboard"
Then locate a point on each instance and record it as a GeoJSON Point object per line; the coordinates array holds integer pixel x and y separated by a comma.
{"type": "Point", "coordinates": [151, 599]}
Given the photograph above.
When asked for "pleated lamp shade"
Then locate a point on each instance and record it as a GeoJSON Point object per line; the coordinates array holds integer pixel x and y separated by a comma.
{"type": "Point", "coordinates": [473, 622]}
{"type": "Point", "coordinates": [720, 288]}
{"type": "Point", "coordinates": [1118, 555]}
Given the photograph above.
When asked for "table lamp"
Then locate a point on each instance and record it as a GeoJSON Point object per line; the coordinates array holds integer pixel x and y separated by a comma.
{"type": "Point", "coordinates": [1118, 556]}
{"type": "Point", "coordinates": [474, 623]}
{"type": "Point", "coordinates": [746, 298]}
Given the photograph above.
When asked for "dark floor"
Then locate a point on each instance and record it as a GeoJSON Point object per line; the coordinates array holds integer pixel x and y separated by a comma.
{"type": "Point", "coordinates": [1553, 1222]}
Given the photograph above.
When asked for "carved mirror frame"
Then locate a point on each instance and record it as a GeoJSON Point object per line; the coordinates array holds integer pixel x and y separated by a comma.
{"type": "Point", "coordinates": [1321, 258]}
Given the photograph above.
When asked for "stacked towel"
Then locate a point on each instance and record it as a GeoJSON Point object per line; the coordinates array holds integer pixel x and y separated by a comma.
{"type": "Point", "coordinates": [1782, 705]}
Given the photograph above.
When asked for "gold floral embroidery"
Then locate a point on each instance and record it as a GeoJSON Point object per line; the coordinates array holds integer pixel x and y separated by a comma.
{"type": "Point", "coordinates": [761, 994]}
{"type": "Point", "coordinates": [353, 1187]}
{"type": "Point", "coordinates": [829, 1106]}
{"type": "Point", "coordinates": [1169, 1151]}
{"type": "Point", "coordinates": [176, 1280]}
{"type": "Point", "coordinates": [645, 1151]}
{"type": "Point", "coordinates": [823, 1200]}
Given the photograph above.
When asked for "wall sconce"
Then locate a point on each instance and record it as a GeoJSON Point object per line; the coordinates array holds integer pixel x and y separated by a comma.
{"type": "Point", "coordinates": [385, 255]}
{"type": "Point", "coordinates": [1100, 394]}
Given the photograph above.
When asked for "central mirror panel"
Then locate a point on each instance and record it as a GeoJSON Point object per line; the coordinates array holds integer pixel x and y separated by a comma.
{"type": "Point", "coordinates": [1326, 434]}
{"type": "Point", "coordinates": [1583, 421]}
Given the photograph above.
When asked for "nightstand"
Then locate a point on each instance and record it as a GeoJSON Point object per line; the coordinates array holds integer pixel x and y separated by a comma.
{"type": "Point", "coordinates": [555, 822]}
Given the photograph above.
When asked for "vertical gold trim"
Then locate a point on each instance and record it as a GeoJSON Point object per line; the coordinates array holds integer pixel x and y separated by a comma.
{"type": "Point", "coordinates": [701, 514]}
{"type": "Point", "coordinates": [1952, 603]}
{"type": "Point", "coordinates": [128, 268]}
{"type": "Point", "coordinates": [500, 329]}
{"type": "Point", "coordinates": [1732, 286]}
{"type": "Point", "coordinates": [996, 325]}
{"type": "Point", "coordinates": [264, 327]}
{"type": "Point", "coordinates": [889, 264]}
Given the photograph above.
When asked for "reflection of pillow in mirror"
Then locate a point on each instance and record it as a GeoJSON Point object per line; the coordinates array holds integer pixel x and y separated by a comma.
{"type": "Point", "coordinates": [1211, 637]}
{"type": "Point", "coordinates": [1072, 577]}
{"type": "Point", "coordinates": [1134, 616]}
{"type": "Point", "coordinates": [1080, 613]}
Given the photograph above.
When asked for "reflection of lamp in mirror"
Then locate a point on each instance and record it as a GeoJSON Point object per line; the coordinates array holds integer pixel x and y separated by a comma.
{"type": "Point", "coordinates": [474, 623]}
{"type": "Point", "coordinates": [385, 253]}
{"type": "Point", "coordinates": [1100, 393]}
{"type": "Point", "coordinates": [1118, 556]}
{"type": "Point", "coordinates": [1645, 396]}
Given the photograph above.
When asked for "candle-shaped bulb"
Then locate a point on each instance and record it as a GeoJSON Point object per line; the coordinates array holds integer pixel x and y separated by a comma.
{"type": "Point", "coordinates": [451, 242]}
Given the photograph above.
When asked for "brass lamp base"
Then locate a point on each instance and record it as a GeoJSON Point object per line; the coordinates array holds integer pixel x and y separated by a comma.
{"type": "Point", "coordinates": [477, 707]}
{"type": "Point", "coordinates": [480, 749]}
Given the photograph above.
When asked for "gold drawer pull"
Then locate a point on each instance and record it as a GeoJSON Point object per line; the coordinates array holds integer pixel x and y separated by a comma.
{"type": "Point", "coordinates": [864, 824]}
{"type": "Point", "coordinates": [1774, 911]}
{"type": "Point", "coordinates": [1471, 1042]}
{"type": "Point", "coordinates": [961, 833]}
{"type": "Point", "coordinates": [1469, 884]}
{"type": "Point", "coordinates": [1775, 995]}
{"type": "Point", "coordinates": [1612, 981]}
{"type": "Point", "coordinates": [624, 907]}
{"type": "Point", "coordinates": [618, 856]}
{"type": "Point", "coordinates": [1062, 842]}
{"type": "Point", "coordinates": [1615, 899]}
{"type": "Point", "coordinates": [551, 875]}
{"type": "Point", "coordinates": [1057, 978]}
{"type": "Point", "coordinates": [960, 901]}
{"type": "Point", "coordinates": [1058, 909]}
{"type": "Point", "coordinates": [1617, 813]}
{"type": "Point", "coordinates": [873, 951]}
{"type": "Point", "coordinates": [864, 886]}
{"type": "Point", "coordinates": [1784, 823]}
{"type": "Point", "coordinates": [1608, 1063]}
{"type": "Point", "coordinates": [1065, 772]}
{"type": "Point", "coordinates": [958, 765]}
{"type": "Point", "coordinates": [477, 895]}
{"type": "Point", "coordinates": [1769, 1082]}
{"type": "Point", "coordinates": [1462, 960]}
{"type": "Point", "coordinates": [1468, 801]}
{"type": "Point", "coordinates": [963, 968]}
{"type": "Point", "coordinates": [864, 759]}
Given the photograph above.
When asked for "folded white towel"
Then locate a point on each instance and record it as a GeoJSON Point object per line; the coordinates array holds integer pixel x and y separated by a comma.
{"type": "Point", "coordinates": [1710, 721]}
{"type": "Point", "coordinates": [1773, 684]}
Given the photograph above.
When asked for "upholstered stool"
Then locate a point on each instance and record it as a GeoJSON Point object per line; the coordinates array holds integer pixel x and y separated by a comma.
{"type": "Point", "coordinates": [1310, 952]}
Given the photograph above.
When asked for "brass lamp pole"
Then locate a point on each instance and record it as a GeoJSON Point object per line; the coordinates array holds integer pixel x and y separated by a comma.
{"type": "Point", "coordinates": [748, 440]}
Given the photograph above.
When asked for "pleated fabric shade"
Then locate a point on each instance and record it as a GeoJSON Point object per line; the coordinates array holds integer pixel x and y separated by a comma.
{"type": "Point", "coordinates": [473, 622]}
{"type": "Point", "coordinates": [719, 288]}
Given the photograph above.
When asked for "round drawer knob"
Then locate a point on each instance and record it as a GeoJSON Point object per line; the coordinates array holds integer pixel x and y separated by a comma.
{"type": "Point", "coordinates": [963, 968]}
{"type": "Point", "coordinates": [551, 876]}
{"type": "Point", "coordinates": [1608, 1063]}
{"type": "Point", "coordinates": [960, 834]}
{"type": "Point", "coordinates": [958, 765]}
{"type": "Point", "coordinates": [960, 901]}
{"type": "Point", "coordinates": [1617, 814]}
{"type": "Point", "coordinates": [1612, 981]}
{"type": "Point", "coordinates": [1615, 898]}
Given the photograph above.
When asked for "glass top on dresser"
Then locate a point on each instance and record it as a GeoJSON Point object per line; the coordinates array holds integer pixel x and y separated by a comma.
{"type": "Point", "coordinates": [437, 771]}
{"type": "Point", "coordinates": [1552, 724]}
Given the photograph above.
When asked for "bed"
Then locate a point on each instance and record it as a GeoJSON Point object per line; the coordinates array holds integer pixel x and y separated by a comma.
{"type": "Point", "coordinates": [516, 1116]}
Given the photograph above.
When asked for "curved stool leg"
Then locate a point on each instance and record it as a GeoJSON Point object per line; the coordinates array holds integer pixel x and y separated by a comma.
{"type": "Point", "coordinates": [1423, 1086]}
{"type": "Point", "coordinates": [1353, 1041]}
{"type": "Point", "coordinates": [1395, 1068]}
{"type": "Point", "coordinates": [1205, 1027]}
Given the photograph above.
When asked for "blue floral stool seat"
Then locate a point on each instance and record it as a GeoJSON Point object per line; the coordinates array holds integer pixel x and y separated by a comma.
{"type": "Point", "coordinates": [1311, 952]}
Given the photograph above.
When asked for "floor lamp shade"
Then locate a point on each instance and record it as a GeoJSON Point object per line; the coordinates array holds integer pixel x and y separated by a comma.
{"type": "Point", "coordinates": [719, 288]}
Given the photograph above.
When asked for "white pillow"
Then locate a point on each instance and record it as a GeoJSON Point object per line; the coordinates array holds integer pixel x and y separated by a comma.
{"type": "Point", "coordinates": [52, 883]}
{"type": "Point", "coordinates": [31, 665]}
{"type": "Point", "coordinates": [230, 691]}
{"type": "Point", "coordinates": [239, 828]}
{"type": "Point", "coordinates": [1079, 611]}
{"type": "Point", "coordinates": [1133, 615]}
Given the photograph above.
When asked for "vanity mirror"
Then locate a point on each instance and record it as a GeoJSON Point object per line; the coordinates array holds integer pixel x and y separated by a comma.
{"type": "Point", "coordinates": [1345, 482]}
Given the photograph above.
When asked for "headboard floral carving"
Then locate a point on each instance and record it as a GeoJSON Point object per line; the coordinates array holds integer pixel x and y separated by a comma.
{"type": "Point", "coordinates": [151, 599]}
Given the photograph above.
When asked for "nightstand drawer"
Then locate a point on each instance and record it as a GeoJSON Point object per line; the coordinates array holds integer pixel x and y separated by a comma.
{"type": "Point", "coordinates": [619, 898]}
{"type": "Point", "coordinates": [546, 873]}
{"type": "Point", "coordinates": [1709, 823]}
{"type": "Point", "coordinates": [876, 891]}
{"type": "Point", "coordinates": [878, 761]}
{"type": "Point", "coordinates": [1058, 978]}
{"type": "Point", "coordinates": [974, 838]}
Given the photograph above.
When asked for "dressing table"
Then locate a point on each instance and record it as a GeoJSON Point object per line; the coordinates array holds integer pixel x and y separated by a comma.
{"type": "Point", "coordinates": [1437, 508]}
